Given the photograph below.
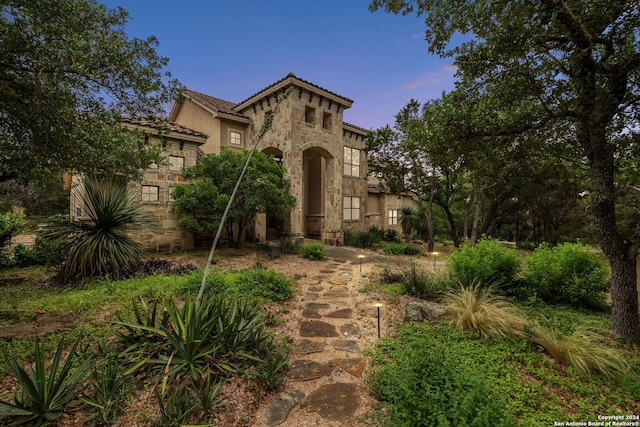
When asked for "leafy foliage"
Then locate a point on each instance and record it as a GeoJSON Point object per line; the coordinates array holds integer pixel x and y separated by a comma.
{"type": "Point", "coordinates": [202, 202]}
{"type": "Point", "coordinates": [314, 251]}
{"type": "Point", "coordinates": [254, 284]}
{"type": "Point", "coordinates": [107, 395]}
{"type": "Point", "coordinates": [422, 383]}
{"type": "Point", "coordinates": [66, 96]}
{"type": "Point", "coordinates": [424, 283]}
{"type": "Point", "coordinates": [46, 392]}
{"type": "Point", "coordinates": [100, 246]}
{"type": "Point", "coordinates": [568, 274]}
{"type": "Point", "coordinates": [486, 263]}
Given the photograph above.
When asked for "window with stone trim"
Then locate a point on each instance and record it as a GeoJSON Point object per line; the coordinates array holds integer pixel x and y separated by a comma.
{"type": "Point", "coordinates": [150, 193]}
{"type": "Point", "coordinates": [235, 137]}
{"type": "Point", "coordinates": [176, 163]}
{"type": "Point", "coordinates": [310, 115]}
{"type": "Point", "coordinates": [393, 216]}
{"type": "Point", "coordinates": [351, 161]}
{"type": "Point", "coordinates": [351, 208]}
{"type": "Point", "coordinates": [326, 121]}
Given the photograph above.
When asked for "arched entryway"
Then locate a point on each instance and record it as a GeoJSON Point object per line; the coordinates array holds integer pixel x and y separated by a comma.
{"type": "Point", "coordinates": [317, 162]}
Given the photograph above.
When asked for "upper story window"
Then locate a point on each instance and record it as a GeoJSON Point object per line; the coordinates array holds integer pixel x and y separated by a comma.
{"type": "Point", "coordinates": [326, 121]}
{"type": "Point", "coordinates": [351, 208]}
{"type": "Point", "coordinates": [393, 216]}
{"type": "Point", "coordinates": [235, 137]}
{"type": "Point", "coordinates": [309, 115]}
{"type": "Point", "coordinates": [176, 163]}
{"type": "Point", "coordinates": [150, 193]}
{"type": "Point", "coordinates": [351, 161]}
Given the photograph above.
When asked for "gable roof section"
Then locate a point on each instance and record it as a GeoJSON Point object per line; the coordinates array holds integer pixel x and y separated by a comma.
{"type": "Point", "coordinates": [166, 127]}
{"type": "Point", "coordinates": [292, 80]}
{"type": "Point", "coordinates": [215, 105]}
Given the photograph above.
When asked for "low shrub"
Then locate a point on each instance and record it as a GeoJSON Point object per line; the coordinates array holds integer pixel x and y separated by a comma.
{"type": "Point", "coordinates": [488, 263]}
{"type": "Point", "coordinates": [395, 248]}
{"type": "Point", "coordinates": [151, 266]}
{"type": "Point", "coordinates": [424, 283]}
{"type": "Point", "coordinates": [568, 274]}
{"type": "Point", "coordinates": [314, 251]}
{"type": "Point", "coordinates": [476, 309]}
{"type": "Point", "coordinates": [391, 235]}
{"type": "Point", "coordinates": [252, 284]}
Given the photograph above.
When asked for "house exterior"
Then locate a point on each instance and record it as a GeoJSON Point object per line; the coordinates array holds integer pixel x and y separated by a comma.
{"type": "Point", "coordinates": [323, 157]}
{"type": "Point", "coordinates": [322, 154]}
{"type": "Point", "coordinates": [182, 149]}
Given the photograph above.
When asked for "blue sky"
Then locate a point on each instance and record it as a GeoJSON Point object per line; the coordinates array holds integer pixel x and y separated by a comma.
{"type": "Point", "coordinates": [231, 49]}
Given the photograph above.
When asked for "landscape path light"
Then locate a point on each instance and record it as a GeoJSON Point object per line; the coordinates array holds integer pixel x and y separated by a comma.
{"type": "Point", "coordinates": [361, 258]}
{"type": "Point", "coordinates": [435, 255]}
{"type": "Point", "coordinates": [378, 305]}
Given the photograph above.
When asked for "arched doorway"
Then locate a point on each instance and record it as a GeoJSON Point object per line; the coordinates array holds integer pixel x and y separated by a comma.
{"type": "Point", "coordinates": [316, 162]}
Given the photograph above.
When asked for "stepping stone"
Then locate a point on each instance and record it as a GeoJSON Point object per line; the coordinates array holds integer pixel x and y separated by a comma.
{"type": "Point", "coordinates": [327, 271]}
{"type": "Point", "coordinates": [336, 294]}
{"type": "Point", "coordinates": [335, 402]}
{"type": "Point", "coordinates": [317, 305]}
{"type": "Point", "coordinates": [319, 277]}
{"type": "Point", "coordinates": [312, 296]}
{"type": "Point", "coordinates": [306, 370]}
{"type": "Point", "coordinates": [311, 314]}
{"type": "Point", "coordinates": [354, 366]}
{"type": "Point", "coordinates": [338, 289]}
{"type": "Point", "coordinates": [308, 347]}
{"type": "Point", "coordinates": [352, 346]}
{"type": "Point", "coordinates": [315, 288]}
{"type": "Point", "coordinates": [343, 313]}
{"type": "Point", "coordinates": [278, 410]}
{"type": "Point", "coordinates": [317, 329]}
{"type": "Point", "coordinates": [342, 282]}
{"type": "Point", "coordinates": [350, 329]}
{"type": "Point", "coordinates": [345, 269]}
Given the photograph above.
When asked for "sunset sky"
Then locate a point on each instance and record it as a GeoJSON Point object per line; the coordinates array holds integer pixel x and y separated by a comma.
{"type": "Point", "coordinates": [232, 49]}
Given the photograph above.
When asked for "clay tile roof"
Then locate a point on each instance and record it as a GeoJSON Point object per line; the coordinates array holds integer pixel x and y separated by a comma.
{"type": "Point", "coordinates": [163, 124]}
{"type": "Point", "coordinates": [350, 101]}
{"type": "Point", "coordinates": [215, 104]}
{"type": "Point", "coordinates": [361, 129]}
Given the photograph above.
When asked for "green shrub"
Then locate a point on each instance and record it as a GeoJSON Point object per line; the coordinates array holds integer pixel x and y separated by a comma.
{"type": "Point", "coordinates": [487, 263]}
{"type": "Point", "coordinates": [424, 283]}
{"type": "Point", "coordinates": [265, 284]}
{"type": "Point", "coordinates": [288, 246]}
{"type": "Point", "coordinates": [391, 235]}
{"type": "Point", "coordinates": [314, 251]}
{"type": "Point", "coordinates": [395, 248]}
{"type": "Point", "coordinates": [568, 274]}
{"type": "Point", "coordinates": [363, 239]}
{"type": "Point", "coordinates": [423, 383]}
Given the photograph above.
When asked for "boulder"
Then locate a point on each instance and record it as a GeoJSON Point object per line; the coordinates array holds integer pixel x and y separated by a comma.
{"type": "Point", "coordinates": [419, 310]}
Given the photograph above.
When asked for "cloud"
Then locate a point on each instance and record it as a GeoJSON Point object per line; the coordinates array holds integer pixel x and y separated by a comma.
{"type": "Point", "coordinates": [442, 75]}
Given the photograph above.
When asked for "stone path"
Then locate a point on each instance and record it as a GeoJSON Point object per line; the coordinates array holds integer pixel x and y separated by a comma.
{"type": "Point", "coordinates": [336, 322]}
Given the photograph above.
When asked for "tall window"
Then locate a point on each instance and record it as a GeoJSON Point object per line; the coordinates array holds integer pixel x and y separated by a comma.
{"type": "Point", "coordinates": [393, 216]}
{"type": "Point", "coordinates": [326, 121]}
{"type": "Point", "coordinates": [235, 138]}
{"type": "Point", "coordinates": [309, 115]}
{"type": "Point", "coordinates": [150, 193]}
{"type": "Point", "coordinates": [176, 163]}
{"type": "Point", "coordinates": [351, 208]}
{"type": "Point", "coordinates": [351, 161]}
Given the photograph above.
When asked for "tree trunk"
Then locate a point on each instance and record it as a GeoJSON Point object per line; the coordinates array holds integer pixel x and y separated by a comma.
{"type": "Point", "coordinates": [621, 252]}
{"type": "Point", "coordinates": [453, 229]}
{"type": "Point", "coordinates": [467, 214]}
{"type": "Point", "coordinates": [476, 217]}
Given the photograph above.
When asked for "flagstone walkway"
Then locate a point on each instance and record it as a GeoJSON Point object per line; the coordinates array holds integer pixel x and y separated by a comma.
{"type": "Point", "coordinates": [335, 323]}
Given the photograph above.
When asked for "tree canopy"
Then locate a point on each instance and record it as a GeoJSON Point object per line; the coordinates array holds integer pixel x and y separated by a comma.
{"type": "Point", "coordinates": [568, 70]}
{"type": "Point", "coordinates": [202, 202]}
{"type": "Point", "coordinates": [68, 72]}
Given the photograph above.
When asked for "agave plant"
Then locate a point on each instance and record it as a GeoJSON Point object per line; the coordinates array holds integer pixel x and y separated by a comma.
{"type": "Point", "coordinates": [408, 217]}
{"type": "Point", "coordinates": [99, 244]}
{"type": "Point", "coordinates": [45, 394]}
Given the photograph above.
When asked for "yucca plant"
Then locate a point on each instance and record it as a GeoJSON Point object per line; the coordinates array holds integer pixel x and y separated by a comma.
{"type": "Point", "coordinates": [476, 309]}
{"type": "Point", "coordinates": [99, 244]}
{"type": "Point", "coordinates": [44, 392]}
{"type": "Point", "coordinates": [408, 216]}
{"type": "Point", "coordinates": [108, 388]}
{"type": "Point", "coordinates": [581, 352]}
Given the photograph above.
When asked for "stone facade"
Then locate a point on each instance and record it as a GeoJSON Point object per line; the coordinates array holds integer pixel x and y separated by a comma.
{"type": "Point", "coordinates": [181, 147]}
{"type": "Point", "coordinates": [323, 156]}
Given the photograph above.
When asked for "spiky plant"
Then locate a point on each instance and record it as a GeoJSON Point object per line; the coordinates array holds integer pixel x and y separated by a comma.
{"type": "Point", "coordinates": [408, 216]}
{"type": "Point", "coordinates": [581, 352]}
{"type": "Point", "coordinates": [476, 309]}
{"type": "Point", "coordinates": [99, 244]}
